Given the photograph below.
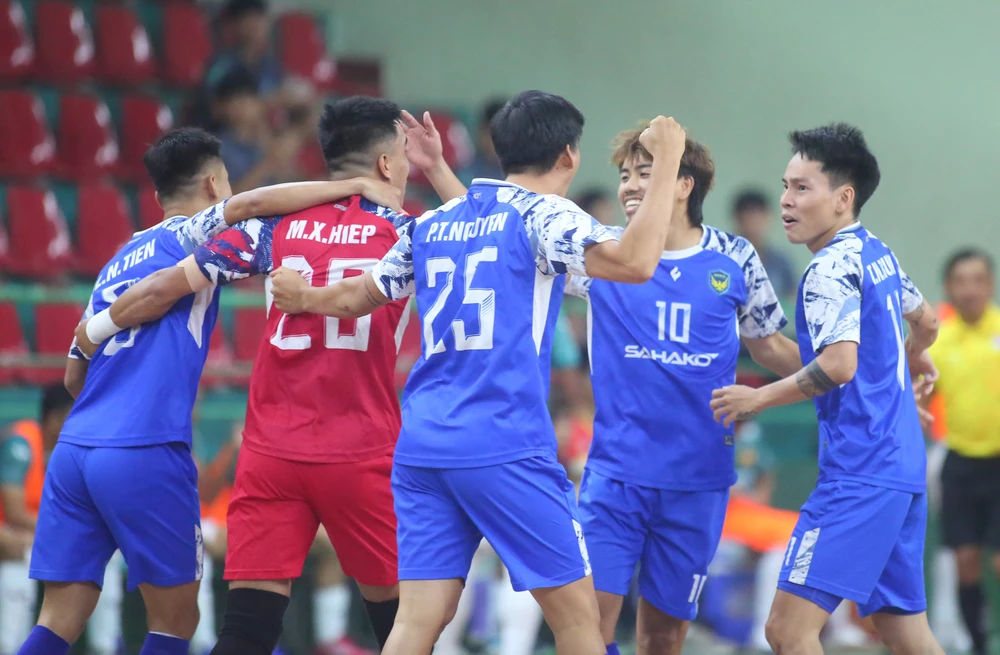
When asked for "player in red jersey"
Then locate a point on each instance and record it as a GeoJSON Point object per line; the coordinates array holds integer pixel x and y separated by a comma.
{"type": "Point", "coordinates": [323, 415]}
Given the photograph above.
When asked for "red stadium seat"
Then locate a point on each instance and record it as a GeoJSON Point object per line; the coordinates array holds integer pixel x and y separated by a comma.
{"type": "Point", "coordinates": [150, 212]}
{"type": "Point", "coordinates": [103, 226]}
{"type": "Point", "coordinates": [303, 49]}
{"type": "Point", "coordinates": [312, 163]}
{"type": "Point", "coordinates": [187, 44]}
{"type": "Point", "coordinates": [17, 49]}
{"type": "Point", "coordinates": [250, 324]}
{"type": "Point", "coordinates": [358, 77]}
{"type": "Point", "coordinates": [88, 147]}
{"type": "Point", "coordinates": [143, 121]}
{"type": "Point", "coordinates": [13, 347]}
{"type": "Point", "coordinates": [458, 149]}
{"type": "Point", "coordinates": [64, 52]}
{"type": "Point", "coordinates": [27, 148]}
{"type": "Point", "coordinates": [54, 326]}
{"type": "Point", "coordinates": [124, 51]}
{"type": "Point", "coordinates": [38, 228]}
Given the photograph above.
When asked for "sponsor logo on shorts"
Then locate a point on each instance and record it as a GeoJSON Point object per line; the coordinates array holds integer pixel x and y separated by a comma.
{"type": "Point", "coordinates": [199, 544]}
{"type": "Point", "coordinates": [803, 558]}
{"type": "Point", "coordinates": [583, 547]}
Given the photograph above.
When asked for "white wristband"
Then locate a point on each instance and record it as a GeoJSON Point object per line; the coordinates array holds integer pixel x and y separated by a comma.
{"type": "Point", "coordinates": [100, 328]}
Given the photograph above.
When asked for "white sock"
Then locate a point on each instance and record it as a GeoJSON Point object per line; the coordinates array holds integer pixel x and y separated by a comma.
{"type": "Point", "coordinates": [105, 625]}
{"type": "Point", "coordinates": [204, 635]}
{"type": "Point", "coordinates": [17, 605]}
{"type": "Point", "coordinates": [520, 617]}
{"type": "Point", "coordinates": [945, 615]}
{"type": "Point", "coordinates": [331, 608]}
{"type": "Point", "coordinates": [765, 588]}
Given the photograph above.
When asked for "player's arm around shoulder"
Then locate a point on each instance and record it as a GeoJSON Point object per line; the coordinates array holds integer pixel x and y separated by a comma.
{"type": "Point", "coordinates": [391, 279]}
{"type": "Point", "coordinates": [297, 196]}
{"type": "Point", "coordinates": [634, 257]}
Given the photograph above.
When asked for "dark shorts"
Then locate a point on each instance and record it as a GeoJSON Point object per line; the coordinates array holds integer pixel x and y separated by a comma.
{"type": "Point", "coordinates": [970, 501]}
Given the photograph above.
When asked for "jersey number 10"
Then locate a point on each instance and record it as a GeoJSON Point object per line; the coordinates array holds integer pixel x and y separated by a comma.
{"type": "Point", "coordinates": [680, 321]}
{"type": "Point", "coordinates": [338, 334]}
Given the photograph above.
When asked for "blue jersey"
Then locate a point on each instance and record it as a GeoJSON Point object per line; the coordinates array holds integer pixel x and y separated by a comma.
{"type": "Point", "coordinates": [142, 383]}
{"type": "Point", "coordinates": [869, 430]}
{"type": "Point", "coordinates": [659, 349]}
{"type": "Point", "coordinates": [484, 269]}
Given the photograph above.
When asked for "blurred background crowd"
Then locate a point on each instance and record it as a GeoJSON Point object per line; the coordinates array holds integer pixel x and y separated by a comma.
{"type": "Point", "coordinates": [85, 85]}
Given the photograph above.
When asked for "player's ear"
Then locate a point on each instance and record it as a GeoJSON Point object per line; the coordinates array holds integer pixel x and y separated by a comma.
{"type": "Point", "coordinates": [212, 187]}
{"type": "Point", "coordinates": [156, 194]}
{"type": "Point", "coordinates": [569, 159]}
{"type": "Point", "coordinates": [382, 166]}
{"type": "Point", "coordinates": [845, 199]}
{"type": "Point", "coordinates": [685, 185]}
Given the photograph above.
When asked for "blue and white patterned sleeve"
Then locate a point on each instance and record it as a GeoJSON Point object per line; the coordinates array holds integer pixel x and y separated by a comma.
{"type": "Point", "coordinates": [394, 273]}
{"type": "Point", "coordinates": [831, 295]}
{"type": "Point", "coordinates": [239, 252]}
{"type": "Point", "coordinates": [399, 220]}
{"type": "Point", "coordinates": [912, 298]}
{"type": "Point", "coordinates": [579, 286]}
{"type": "Point", "coordinates": [560, 232]}
{"type": "Point", "coordinates": [761, 315]}
{"type": "Point", "coordinates": [199, 229]}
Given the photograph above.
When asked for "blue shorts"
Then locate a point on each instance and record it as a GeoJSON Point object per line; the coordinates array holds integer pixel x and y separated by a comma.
{"type": "Point", "coordinates": [671, 535]}
{"type": "Point", "coordinates": [141, 500]}
{"type": "Point", "coordinates": [525, 509]}
{"type": "Point", "coordinates": [858, 542]}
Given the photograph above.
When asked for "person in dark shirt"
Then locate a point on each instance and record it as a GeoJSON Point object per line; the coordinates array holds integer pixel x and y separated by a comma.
{"type": "Point", "coordinates": [752, 218]}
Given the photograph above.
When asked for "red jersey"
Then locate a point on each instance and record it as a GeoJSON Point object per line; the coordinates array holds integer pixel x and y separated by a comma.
{"type": "Point", "coordinates": [322, 388]}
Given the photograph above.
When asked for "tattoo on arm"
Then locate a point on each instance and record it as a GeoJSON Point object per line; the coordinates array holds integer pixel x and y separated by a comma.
{"type": "Point", "coordinates": [372, 298]}
{"type": "Point", "coordinates": [813, 380]}
{"type": "Point", "coordinates": [746, 416]}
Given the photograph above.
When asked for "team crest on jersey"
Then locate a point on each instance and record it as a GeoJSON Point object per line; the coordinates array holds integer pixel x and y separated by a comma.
{"type": "Point", "coordinates": [719, 281]}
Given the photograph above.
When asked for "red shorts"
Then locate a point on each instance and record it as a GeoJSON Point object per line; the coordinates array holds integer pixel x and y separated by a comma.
{"type": "Point", "coordinates": [278, 505]}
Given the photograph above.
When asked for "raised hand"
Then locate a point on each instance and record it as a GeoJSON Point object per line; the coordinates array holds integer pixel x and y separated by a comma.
{"type": "Point", "coordinates": [664, 138]}
{"type": "Point", "coordinates": [423, 146]}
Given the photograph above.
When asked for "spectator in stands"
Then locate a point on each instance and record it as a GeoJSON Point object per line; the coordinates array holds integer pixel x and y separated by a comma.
{"type": "Point", "coordinates": [485, 163]}
{"type": "Point", "coordinates": [967, 355]}
{"type": "Point", "coordinates": [752, 217]}
{"type": "Point", "coordinates": [252, 154]}
{"type": "Point", "coordinates": [600, 204]}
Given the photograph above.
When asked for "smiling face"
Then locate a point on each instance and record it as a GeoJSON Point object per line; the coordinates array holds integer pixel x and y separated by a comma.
{"type": "Point", "coordinates": [812, 211]}
{"type": "Point", "coordinates": [633, 180]}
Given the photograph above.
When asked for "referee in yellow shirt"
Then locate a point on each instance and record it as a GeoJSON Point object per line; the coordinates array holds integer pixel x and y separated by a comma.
{"type": "Point", "coordinates": [967, 355]}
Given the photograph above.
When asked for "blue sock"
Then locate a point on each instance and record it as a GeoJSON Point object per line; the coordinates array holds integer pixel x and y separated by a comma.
{"type": "Point", "coordinates": [159, 644]}
{"type": "Point", "coordinates": [43, 641]}
{"type": "Point", "coordinates": [613, 648]}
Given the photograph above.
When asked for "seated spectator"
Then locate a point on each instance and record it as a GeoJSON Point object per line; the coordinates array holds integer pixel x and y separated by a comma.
{"type": "Point", "coordinates": [600, 204]}
{"type": "Point", "coordinates": [485, 163]}
{"type": "Point", "coordinates": [253, 155]}
{"type": "Point", "coordinates": [752, 217]}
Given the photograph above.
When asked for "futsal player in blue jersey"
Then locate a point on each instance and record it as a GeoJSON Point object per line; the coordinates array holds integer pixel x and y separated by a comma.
{"type": "Point", "coordinates": [476, 456]}
{"type": "Point", "coordinates": [860, 536]}
{"type": "Point", "coordinates": [657, 478]}
{"type": "Point", "coordinates": [121, 476]}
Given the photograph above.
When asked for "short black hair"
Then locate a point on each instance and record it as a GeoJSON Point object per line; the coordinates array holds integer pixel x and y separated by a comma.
{"type": "Point", "coordinates": [55, 398]}
{"type": "Point", "coordinates": [750, 200]}
{"type": "Point", "coordinates": [532, 129]}
{"type": "Point", "coordinates": [964, 255]}
{"type": "Point", "coordinates": [235, 9]}
{"type": "Point", "coordinates": [491, 109]}
{"type": "Point", "coordinates": [237, 81]}
{"type": "Point", "coordinates": [178, 157]}
{"type": "Point", "coordinates": [349, 128]}
{"type": "Point", "coordinates": [844, 154]}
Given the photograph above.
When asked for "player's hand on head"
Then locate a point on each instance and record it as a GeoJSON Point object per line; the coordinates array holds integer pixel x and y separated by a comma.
{"type": "Point", "coordinates": [382, 193]}
{"type": "Point", "coordinates": [423, 141]}
{"type": "Point", "coordinates": [734, 403]}
{"type": "Point", "coordinates": [664, 138]}
{"type": "Point", "coordinates": [83, 342]}
{"type": "Point", "coordinates": [288, 289]}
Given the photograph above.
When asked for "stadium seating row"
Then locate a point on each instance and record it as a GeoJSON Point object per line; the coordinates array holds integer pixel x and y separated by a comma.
{"type": "Point", "coordinates": [63, 49]}
{"type": "Point", "coordinates": [86, 145]}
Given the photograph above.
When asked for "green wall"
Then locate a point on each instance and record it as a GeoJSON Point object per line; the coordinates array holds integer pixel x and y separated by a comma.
{"type": "Point", "coordinates": [919, 77]}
